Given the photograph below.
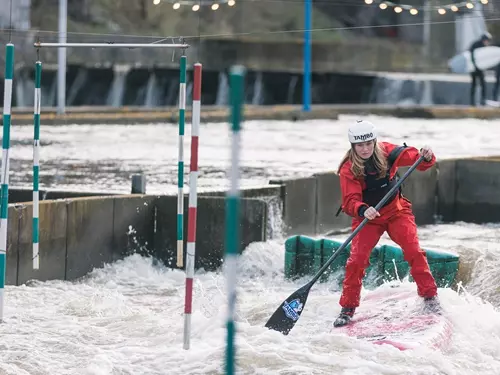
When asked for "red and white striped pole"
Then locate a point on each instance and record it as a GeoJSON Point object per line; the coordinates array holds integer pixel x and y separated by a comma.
{"type": "Point", "coordinates": [193, 177]}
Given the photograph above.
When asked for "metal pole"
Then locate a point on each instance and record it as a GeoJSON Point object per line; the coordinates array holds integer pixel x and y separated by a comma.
{"type": "Point", "coordinates": [7, 103]}
{"type": "Point", "coordinates": [306, 88]}
{"type": "Point", "coordinates": [36, 164]}
{"type": "Point", "coordinates": [232, 243]}
{"type": "Point", "coordinates": [109, 45]}
{"type": "Point", "coordinates": [61, 57]}
{"type": "Point", "coordinates": [193, 204]}
{"type": "Point", "coordinates": [427, 30]}
{"type": "Point", "coordinates": [180, 163]}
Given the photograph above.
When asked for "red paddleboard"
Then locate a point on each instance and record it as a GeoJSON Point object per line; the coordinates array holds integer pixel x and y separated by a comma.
{"type": "Point", "coordinates": [395, 316]}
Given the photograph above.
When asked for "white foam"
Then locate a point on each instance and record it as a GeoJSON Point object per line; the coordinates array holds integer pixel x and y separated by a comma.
{"type": "Point", "coordinates": [128, 318]}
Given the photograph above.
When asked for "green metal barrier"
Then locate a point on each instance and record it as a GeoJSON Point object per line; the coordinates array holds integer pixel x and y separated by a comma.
{"type": "Point", "coordinates": [305, 256]}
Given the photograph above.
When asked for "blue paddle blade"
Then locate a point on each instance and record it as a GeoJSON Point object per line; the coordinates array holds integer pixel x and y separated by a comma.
{"type": "Point", "coordinates": [288, 313]}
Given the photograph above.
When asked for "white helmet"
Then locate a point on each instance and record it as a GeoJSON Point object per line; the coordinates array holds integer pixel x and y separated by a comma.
{"type": "Point", "coordinates": [362, 131]}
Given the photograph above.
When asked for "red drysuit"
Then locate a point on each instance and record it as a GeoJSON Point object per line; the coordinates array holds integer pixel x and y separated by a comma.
{"type": "Point", "coordinates": [396, 218]}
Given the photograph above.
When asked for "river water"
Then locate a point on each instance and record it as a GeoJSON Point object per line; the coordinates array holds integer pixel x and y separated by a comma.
{"type": "Point", "coordinates": [103, 157]}
{"type": "Point", "coordinates": [127, 318]}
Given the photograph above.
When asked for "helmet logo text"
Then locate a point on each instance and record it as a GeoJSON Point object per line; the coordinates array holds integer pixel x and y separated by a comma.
{"type": "Point", "coordinates": [363, 137]}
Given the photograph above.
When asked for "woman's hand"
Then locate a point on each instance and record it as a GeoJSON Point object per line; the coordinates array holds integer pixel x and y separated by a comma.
{"type": "Point", "coordinates": [371, 213]}
{"type": "Point", "coordinates": [427, 153]}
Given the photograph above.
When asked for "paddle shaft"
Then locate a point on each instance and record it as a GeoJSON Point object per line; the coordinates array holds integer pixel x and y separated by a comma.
{"type": "Point", "coordinates": [365, 220]}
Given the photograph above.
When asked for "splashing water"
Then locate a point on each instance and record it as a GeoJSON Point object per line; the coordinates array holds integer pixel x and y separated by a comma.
{"type": "Point", "coordinates": [127, 319]}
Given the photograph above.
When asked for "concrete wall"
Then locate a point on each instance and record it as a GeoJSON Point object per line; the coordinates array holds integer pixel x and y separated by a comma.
{"type": "Point", "coordinates": [477, 186]}
{"type": "Point", "coordinates": [248, 192]}
{"type": "Point", "coordinates": [53, 242]}
{"type": "Point", "coordinates": [468, 190]}
{"type": "Point", "coordinates": [453, 190]}
{"type": "Point", "coordinates": [89, 235]}
{"type": "Point", "coordinates": [18, 195]}
{"type": "Point", "coordinates": [310, 204]}
{"type": "Point", "coordinates": [77, 235]}
{"type": "Point", "coordinates": [328, 201]}
{"type": "Point", "coordinates": [14, 217]}
{"type": "Point", "coordinates": [446, 194]}
{"type": "Point", "coordinates": [80, 234]}
{"type": "Point", "coordinates": [421, 189]}
{"type": "Point", "coordinates": [299, 204]}
{"type": "Point", "coordinates": [210, 230]}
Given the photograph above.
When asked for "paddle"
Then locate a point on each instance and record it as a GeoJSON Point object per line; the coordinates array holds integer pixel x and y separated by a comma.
{"type": "Point", "coordinates": [285, 317]}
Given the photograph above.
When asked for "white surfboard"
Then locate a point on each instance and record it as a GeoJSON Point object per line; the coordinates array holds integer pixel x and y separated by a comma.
{"type": "Point", "coordinates": [492, 103]}
{"type": "Point", "coordinates": [486, 58]}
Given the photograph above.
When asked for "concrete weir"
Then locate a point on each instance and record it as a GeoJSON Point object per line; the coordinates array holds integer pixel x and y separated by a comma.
{"type": "Point", "coordinates": [78, 234]}
{"type": "Point", "coordinates": [99, 115]}
{"type": "Point", "coordinates": [469, 191]}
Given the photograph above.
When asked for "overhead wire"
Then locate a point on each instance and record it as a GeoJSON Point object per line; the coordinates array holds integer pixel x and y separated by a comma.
{"type": "Point", "coordinates": [199, 36]}
{"type": "Point", "coordinates": [337, 28]}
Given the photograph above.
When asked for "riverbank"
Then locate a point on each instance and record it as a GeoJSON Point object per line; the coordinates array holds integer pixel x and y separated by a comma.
{"type": "Point", "coordinates": [141, 115]}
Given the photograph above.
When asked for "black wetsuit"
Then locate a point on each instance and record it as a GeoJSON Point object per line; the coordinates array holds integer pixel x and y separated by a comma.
{"type": "Point", "coordinates": [477, 75]}
{"type": "Point", "coordinates": [497, 79]}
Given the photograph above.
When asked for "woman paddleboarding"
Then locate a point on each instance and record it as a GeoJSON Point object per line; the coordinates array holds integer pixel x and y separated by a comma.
{"type": "Point", "coordinates": [367, 173]}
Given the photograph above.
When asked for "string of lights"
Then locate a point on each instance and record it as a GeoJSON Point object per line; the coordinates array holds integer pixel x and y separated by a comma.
{"type": "Point", "coordinates": [414, 10]}
{"type": "Point", "coordinates": [398, 8]}
{"type": "Point", "coordinates": [197, 4]}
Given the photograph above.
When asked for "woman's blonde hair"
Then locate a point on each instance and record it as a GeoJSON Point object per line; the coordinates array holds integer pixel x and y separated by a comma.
{"type": "Point", "coordinates": [358, 164]}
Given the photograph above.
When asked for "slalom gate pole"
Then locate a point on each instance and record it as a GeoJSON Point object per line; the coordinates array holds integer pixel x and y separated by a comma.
{"type": "Point", "coordinates": [180, 176]}
{"type": "Point", "coordinates": [192, 210]}
{"type": "Point", "coordinates": [36, 165]}
{"type": "Point", "coordinates": [4, 210]}
{"type": "Point", "coordinates": [237, 79]}
{"type": "Point", "coordinates": [6, 140]}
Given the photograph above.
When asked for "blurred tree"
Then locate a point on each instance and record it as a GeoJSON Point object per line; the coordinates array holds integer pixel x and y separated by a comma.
{"type": "Point", "coordinates": [144, 9]}
{"type": "Point", "coordinates": [79, 10]}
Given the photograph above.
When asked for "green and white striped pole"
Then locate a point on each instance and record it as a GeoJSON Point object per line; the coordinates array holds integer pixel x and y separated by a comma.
{"type": "Point", "coordinates": [233, 211]}
{"type": "Point", "coordinates": [180, 176]}
{"type": "Point", "coordinates": [36, 163]}
{"type": "Point", "coordinates": [7, 103]}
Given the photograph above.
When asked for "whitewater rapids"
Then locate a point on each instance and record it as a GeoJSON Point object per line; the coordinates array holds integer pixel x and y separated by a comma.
{"type": "Point", "coordinates": [127, 318]}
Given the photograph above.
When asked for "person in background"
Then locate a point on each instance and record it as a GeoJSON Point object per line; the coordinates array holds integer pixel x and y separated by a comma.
{"type": "Point", "coordinates": [477, 74]}
{"type": "Point", "coordinates": [497, 79]}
